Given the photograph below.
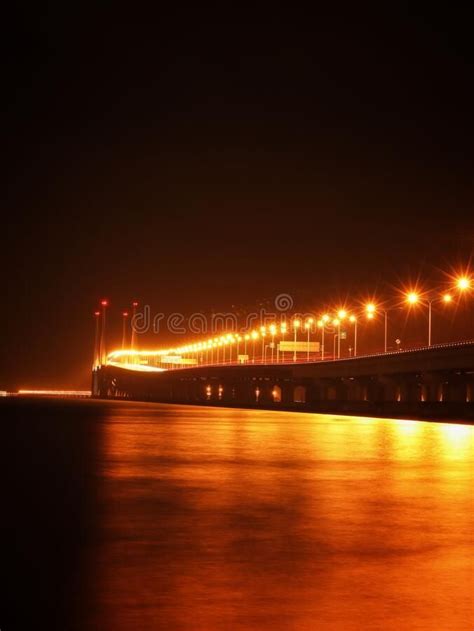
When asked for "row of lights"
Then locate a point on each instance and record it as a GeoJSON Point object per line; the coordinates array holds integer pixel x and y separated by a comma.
{"type": "Point", "coordinates": [215, 348]}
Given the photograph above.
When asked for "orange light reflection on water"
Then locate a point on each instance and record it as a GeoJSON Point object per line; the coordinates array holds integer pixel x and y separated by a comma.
{"type": "Point", "coordinates": [238, 519]}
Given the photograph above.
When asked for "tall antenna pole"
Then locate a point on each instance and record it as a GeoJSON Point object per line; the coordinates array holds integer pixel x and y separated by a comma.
{"type": "Point", "coordinates": [96, 341]}
{"type": "Point", "coordinates": [103, 354]}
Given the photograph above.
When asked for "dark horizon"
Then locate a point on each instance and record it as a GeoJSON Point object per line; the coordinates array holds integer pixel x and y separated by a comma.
{"type": "Point", "coordinates": [200, 168]}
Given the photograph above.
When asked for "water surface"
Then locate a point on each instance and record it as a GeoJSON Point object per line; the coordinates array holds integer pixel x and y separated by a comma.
{"type": "Point", "coordinates": [124, 516]}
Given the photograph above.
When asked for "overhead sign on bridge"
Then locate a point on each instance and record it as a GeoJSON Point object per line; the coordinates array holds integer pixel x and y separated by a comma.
{"type": "Point", "coordinates": [299, 347]}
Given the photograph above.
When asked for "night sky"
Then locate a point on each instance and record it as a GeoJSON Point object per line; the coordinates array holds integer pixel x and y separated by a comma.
{"type": "Point", "coordinates": [203, 164]}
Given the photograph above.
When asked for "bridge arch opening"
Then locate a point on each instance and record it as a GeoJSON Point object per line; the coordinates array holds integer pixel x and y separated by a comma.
{"type": "Point", "coordinates": [276, 394]}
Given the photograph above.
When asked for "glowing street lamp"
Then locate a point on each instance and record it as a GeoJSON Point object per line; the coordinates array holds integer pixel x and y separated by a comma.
{"type": "Point", "coordinates": [124, 325]}
{"type": "Point", "coordinates": [413, 298]}
{"type": "Point", "coordinates": [463, 283]}
{"type": "Point", "coordinates": [372, 309]}
{"type": "Point", "coordinates": [296, 326]}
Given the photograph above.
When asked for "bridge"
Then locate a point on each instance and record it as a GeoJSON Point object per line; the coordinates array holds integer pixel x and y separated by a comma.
{"type": "Point", "coordinates": [435, 381]}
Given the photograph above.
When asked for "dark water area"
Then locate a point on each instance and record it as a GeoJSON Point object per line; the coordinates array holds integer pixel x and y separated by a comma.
{"type": "Point", "coordinates": [120, 516]}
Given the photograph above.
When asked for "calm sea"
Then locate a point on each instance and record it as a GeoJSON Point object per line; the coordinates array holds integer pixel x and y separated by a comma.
{"type": "Point", "coordinates": [120, 516]}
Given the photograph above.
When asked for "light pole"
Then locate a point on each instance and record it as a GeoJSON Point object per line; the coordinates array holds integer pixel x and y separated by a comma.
{"type": "Point", "coordinates": [134, 313]}
{"type": "Point", "coordinates": [96, 340]}
{"type": "Point", "coordinates": [307, 326]}
{"type": "Point", "coordinates": [413, 298]}
{"type": "Point", "coordinates": [246, 339]}
{"type": "Point", "coordinates": [337, 326]}
{"type": "Point", "coordinates": [272, 333]}
{"type": "Point", "coordinates": [104, 304]}
{"type": "Point", "coordinates": [322, 324]}
{"type": "Point", "coordinates": [371, 310]}
{"type": "Point", "coordinates": [296, 326]}
{"type": "Point", "coordinates": [263, 332]}
{"type": "Point", "coordinates": [283, 329]}
{"type": "Point", "coordinates": [353, 319]}
{"type": "Point", "coordinates": [254, 337]}
{"type": "Point", "coordinates": [341, 314]}
{"type": "Point", "coordinates": [124, 325]}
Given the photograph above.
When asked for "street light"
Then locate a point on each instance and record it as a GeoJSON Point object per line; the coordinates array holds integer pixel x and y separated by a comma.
{"type": "Point", "coordinates": [246, 339]}
{"type": "Point", "coordinates": [272, 333]}
{"type": "Point", "coordinates": [337, 325]}
{"type": "Point", "coordinates": [263, 332]}
{"type": "Point", "coordinates": [283, 329]}
{"type": "Point", "coordinates": [463, 283]}
{"type": "Point", "coordinates": [254, 337]}
{"type": "Point", "coordinates": [413, 299]}
{"type": "Point", "coordinates": [96, 340]}
{"type": "Point", "coordinates": [124, 324]}
{"type": "Point", "coordinates": [104, 304]}
{"type": "Point", "coordinates": [371, 310]}
{"type": "Point", "coordinates": [296, 326]}
{"type": "Point", "coordinates": [341, 314]}
{"type": "Point", "coordinates": [307, 326]}
{"type": "Point", "coordinates": [322, 325]}
{"type": "Point", "coordinates": [353, 319]}
{"type": "Point", "coordinates": [134, 312]}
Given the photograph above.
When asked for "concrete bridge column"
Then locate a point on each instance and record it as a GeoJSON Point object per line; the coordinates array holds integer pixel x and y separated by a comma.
{"type": "Point", "coordinates": [388, 390]}
{"type": "Point", "coordinates": [286, 391]}
{"type": "Point", "coordinates": [409, 388]}
{"type": "Point", "coordinates": [431, 386]}
{"type": "Point", "coordinates": [456, 388]}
